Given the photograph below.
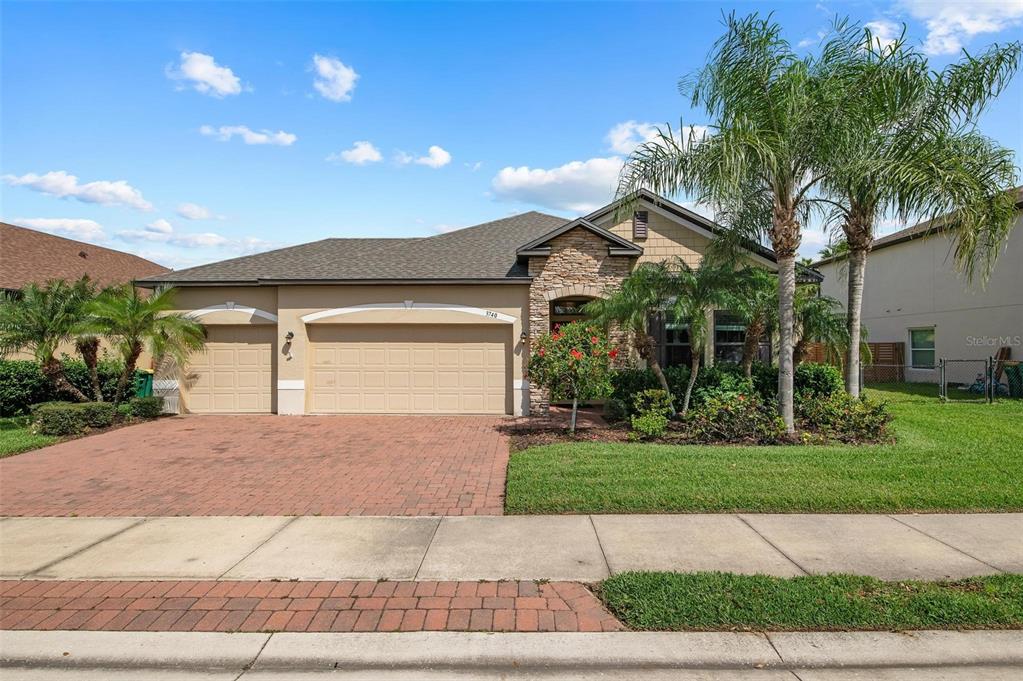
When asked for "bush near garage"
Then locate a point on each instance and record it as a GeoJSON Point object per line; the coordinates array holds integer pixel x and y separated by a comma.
{"type": "Point", "coordinates": [22, 383]}
{"type": "Point", "coordinates": [149, 407]}
{"type": "Point", "coordinates": [71, 418]}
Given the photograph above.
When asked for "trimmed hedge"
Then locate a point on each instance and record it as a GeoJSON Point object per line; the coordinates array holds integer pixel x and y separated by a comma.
{"type": "Point", "coordinates": [71, 418]}
{"type": "Point", "coordinates": [146, 407]}
{"type": "Point", "coordinates": [22, 384]}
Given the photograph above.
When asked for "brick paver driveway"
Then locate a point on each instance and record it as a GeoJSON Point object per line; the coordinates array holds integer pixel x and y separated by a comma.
{"type": "Point", "coordinates": [267, 465]}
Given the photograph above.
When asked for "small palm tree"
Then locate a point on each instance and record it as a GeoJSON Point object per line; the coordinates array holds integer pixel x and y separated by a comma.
{"type": "Point", "coordinates": [819, 319]}
{"type": "Point", "coordinates": [755, 301]}
{"type": "Point", "coordinates": [133, 322]}
{"type": "Point", "coordinates": [39, 320]}
{"type": "Point", "coordinates": [695, 292]}
{"type": "Point", "coordinates": [643, 295]}
{"type": "Point", "coordinates": [907, 142]}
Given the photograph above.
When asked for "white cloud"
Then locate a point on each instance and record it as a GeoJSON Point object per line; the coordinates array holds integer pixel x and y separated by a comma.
{"type": "Point", "coordinates": [625, 137]}
{"type": "Point", "coordinates": [249, 136]}
{"type": "Point", "coordinates": [579, 186]}
{"type": "Point", "coordinates": [160, 226]}
{"type": "Point", "coordinates": [361, 153]}
{"type": "Point", "coordinates": [436, 157]}
{"type": "Point", "coordinates": [161, 231]}
{"type": "Point", "coordinates": [193, 211]}
{"type": "Point", "coordinates": [63, 184]}
{"type": "Point", "coordinates": [334, 80]}
{"type": "Point", "coordinates": [444, 229]}
{"type": "Point", "coordinates": [205, 75]}
{"type": "Point", "coordinates": [474, 166]}
{"type": "Point", "coordinates": [884, 32]}
{"type": "Point", "coordinates": [84, 230]}
{"type": "Point", "coordinates": [952, 23]}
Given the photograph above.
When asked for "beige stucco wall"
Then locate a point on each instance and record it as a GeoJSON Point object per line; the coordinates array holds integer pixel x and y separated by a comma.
{"type": "Point", "coordinates": [409, 305]}
{"type": "Point", "coordinates": [915, 285]}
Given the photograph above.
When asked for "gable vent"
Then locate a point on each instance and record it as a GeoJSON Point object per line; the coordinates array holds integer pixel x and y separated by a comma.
{"type": "Point", "coordinates": [639, 222]}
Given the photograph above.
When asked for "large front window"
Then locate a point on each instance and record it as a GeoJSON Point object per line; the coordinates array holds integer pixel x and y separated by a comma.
{"type": "Point", "coordinates": [567, 310]}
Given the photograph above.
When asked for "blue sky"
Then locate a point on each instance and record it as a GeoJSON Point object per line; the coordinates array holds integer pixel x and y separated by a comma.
{"type": "Point", "coordinates": [193, 132]}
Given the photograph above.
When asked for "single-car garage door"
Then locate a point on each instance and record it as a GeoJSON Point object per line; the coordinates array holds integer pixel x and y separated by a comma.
{"type": "Point", "coordinates": [234, 374]}
{"type": "Point", "coordinates": [409, 368]}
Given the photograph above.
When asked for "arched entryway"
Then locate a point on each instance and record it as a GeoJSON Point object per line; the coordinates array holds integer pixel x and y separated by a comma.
{"type": "Point", "coordinates": [567, 310]}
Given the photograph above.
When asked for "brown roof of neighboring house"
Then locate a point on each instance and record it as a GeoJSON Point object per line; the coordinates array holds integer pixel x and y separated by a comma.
{"type": "Point", "coordinates": [28, 256]}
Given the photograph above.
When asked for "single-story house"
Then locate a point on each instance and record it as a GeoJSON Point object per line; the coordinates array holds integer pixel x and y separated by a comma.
{"type": "Point", "coordinates": [437, 324]}
{"type": "Point", "coordinates": [914, 296]}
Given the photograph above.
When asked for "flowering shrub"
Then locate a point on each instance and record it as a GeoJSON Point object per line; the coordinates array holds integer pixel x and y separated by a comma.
{"type": "Point", "coordinates": [652, 412]}
{"type": "Point", "coordinates": [573, 363]}
{"type": "Point", "coordinates": [841, 417]}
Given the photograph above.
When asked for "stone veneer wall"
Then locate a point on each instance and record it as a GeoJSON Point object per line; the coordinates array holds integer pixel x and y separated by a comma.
{"type": "Point", "coordinates": [579, 265]}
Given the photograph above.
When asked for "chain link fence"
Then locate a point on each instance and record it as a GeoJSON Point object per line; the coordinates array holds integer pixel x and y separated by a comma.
{"type": "Point", "coordinates": [971, 380]}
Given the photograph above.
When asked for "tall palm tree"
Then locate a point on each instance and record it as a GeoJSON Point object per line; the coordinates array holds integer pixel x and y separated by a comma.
{"type": "Point", "coordinates": [760, 157]}
{"type": "Point", "coordinates": [908, 143]}
{"type": "Point", "coordinates": [695, 292]}
{"type": "Point", "coordinates": [642, 295]}
{"type": "Point", "coordinates": [755, 301]}
{"type": "Point", "coordinates": [39, 320]}
{"type": "Point", "coordinates": [133, 323]}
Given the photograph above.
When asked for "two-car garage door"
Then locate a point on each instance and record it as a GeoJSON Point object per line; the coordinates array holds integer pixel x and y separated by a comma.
{"type": "Point", "coordinates": [408, 368]}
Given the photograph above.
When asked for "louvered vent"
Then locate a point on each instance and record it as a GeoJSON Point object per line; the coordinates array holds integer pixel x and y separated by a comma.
{"type": "Point", "coordinates": [639, 220]}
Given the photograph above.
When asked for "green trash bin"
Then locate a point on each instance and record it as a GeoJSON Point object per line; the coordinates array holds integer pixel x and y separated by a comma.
{"type": "Point", "coordinates": [1014, 377]}
{"type": "Point", "coordinates": [144, 385]}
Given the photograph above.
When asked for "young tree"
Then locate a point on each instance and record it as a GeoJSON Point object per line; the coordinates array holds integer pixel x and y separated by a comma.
{"type": "Point", "coordinates": [573, 362]}
{"type": "Point", "coordinates": [819, 319]}
{"type": "Point", "coordinates": [39, 320]}
{"type": "Point", "coordinates": [760, 157]}
{"type": "Point", "coordinates": [641, 296]}
{"type": "Point", "coordinates": [755, 300]}
{"type": "Point", "coordinates": [133, 322]}
{"type": "Point", "coordinates": [695, 292]}
{"type": "Point", "coordinates": [906, 141]}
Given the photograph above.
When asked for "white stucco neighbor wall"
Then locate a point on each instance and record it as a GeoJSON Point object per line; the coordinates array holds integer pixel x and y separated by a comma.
{"type": "Point", "coordinates": [915, 285]}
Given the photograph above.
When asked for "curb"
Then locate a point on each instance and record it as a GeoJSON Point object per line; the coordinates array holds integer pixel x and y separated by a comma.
{"type": "Point", "coordinates": [483, 651]}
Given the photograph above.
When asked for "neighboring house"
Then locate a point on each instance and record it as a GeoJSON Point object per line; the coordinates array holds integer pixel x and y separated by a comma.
{"type": "Point", "coordinates": [437, 324]}
{"type": "Point", "coordinates": [31, 257]}
{"type": "Point", "coordinates": [914, 295]}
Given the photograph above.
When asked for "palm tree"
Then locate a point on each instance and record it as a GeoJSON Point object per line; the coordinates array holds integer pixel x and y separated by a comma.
{"type": "Point", "coordinates": [819, 319]}
{"type": "Point", "coordinates": [908, 143]}
{"type": "Point", "coordinates": [755, 301]}
{"type": "Point", "coordinates": [39, 320]}
{"type": "Point", "coordinates": [760, 158]}
{"type": "Point", "coordinates": [695, 292]}
{"type": "Point", "coordinates": [133, 322]}
{"type": "Point", "coordinates": [642, 295]}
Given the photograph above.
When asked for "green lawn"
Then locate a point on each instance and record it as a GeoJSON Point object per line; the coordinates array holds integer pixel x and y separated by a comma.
{"type": "Point", "coordinates": [712, 601]}
{"type": "Point", "coordinates": [947, 457]}
{"type": "Point", "coordinates": [15, 436]}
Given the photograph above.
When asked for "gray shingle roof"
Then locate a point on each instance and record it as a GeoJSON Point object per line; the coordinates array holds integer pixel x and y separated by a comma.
{"type": "Point", "coordinates": [484, 252]}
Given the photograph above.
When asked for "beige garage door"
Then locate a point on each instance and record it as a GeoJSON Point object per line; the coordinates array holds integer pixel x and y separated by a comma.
{"type": "Point", "coordinates": [409, 368]}
{"type": "Point", "coordinates": [234, 375]}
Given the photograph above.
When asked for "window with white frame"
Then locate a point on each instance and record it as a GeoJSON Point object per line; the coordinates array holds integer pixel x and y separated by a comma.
{"type": "Point", "coordinates": [921, 348]}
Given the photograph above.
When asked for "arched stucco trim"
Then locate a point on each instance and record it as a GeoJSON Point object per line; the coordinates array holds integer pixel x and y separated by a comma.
{"type": "Point", "coordinates": [230, 306]}
{"type": "Point", "coordinates": [409, 306]}
{"type": "Point", "coordinates": [572, 290]}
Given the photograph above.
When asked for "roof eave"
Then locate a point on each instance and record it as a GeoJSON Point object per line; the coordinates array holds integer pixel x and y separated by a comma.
{"type": "Point", "coordinates": [338, 282]}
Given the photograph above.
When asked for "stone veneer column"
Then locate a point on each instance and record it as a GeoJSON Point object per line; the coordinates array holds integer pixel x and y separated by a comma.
{"type": "Point", "coordinates": [578, 265]}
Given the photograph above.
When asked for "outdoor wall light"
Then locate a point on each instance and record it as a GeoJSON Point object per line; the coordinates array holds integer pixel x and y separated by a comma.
{"type": "Point", "coordinates": [289, 336]}
{"type": "Point", "coordinates": [523, 336]}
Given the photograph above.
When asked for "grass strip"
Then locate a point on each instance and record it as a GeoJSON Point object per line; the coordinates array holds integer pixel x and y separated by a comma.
{"type": "Point", "coordinates": [715, 601]}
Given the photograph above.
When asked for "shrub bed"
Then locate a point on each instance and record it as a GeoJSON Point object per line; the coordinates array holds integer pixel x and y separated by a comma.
{"type": "Point", "coordinates": [22, 384]}
{"type": "Point", "coordinates": [69, 418]}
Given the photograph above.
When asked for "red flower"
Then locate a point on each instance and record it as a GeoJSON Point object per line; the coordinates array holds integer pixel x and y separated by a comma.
{"type": "Point", "coordinates": [576, 354]}
{"type": "Point", "coordinates": [594, 340]}
{"type": "Point", "coordinates": [541, 352]}
{"type": "Point", "coordinates": [555, 336]}
{"type": "Point", "coordinates": [742, 398]}
{"type": "Point", "coordinates": [612, 353]}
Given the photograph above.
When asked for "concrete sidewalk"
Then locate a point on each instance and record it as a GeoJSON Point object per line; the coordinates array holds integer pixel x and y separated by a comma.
{"type": "Point", "coordinates": [791, 656]}
{"type": "Point", "coordinates": [571, 548]}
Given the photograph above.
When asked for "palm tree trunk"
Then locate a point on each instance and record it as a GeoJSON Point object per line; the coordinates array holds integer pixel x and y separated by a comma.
{"type": "Point", "coordinates": [857, 271]}
{"type": "Point", "coordinates": [754, 330]}
{"type": "Point", "coordinates": [129, 371]}
{"type": "Point", "coordinates": [647, 349]}
{"type": "Point", "coordinates": [694, 369]}
{"type": "Point", "coordinates": [786, 299]}
{"type": "Point", "coordinates": [88, 348]}
{"type": "Point", "coordinates": [54, 372]}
